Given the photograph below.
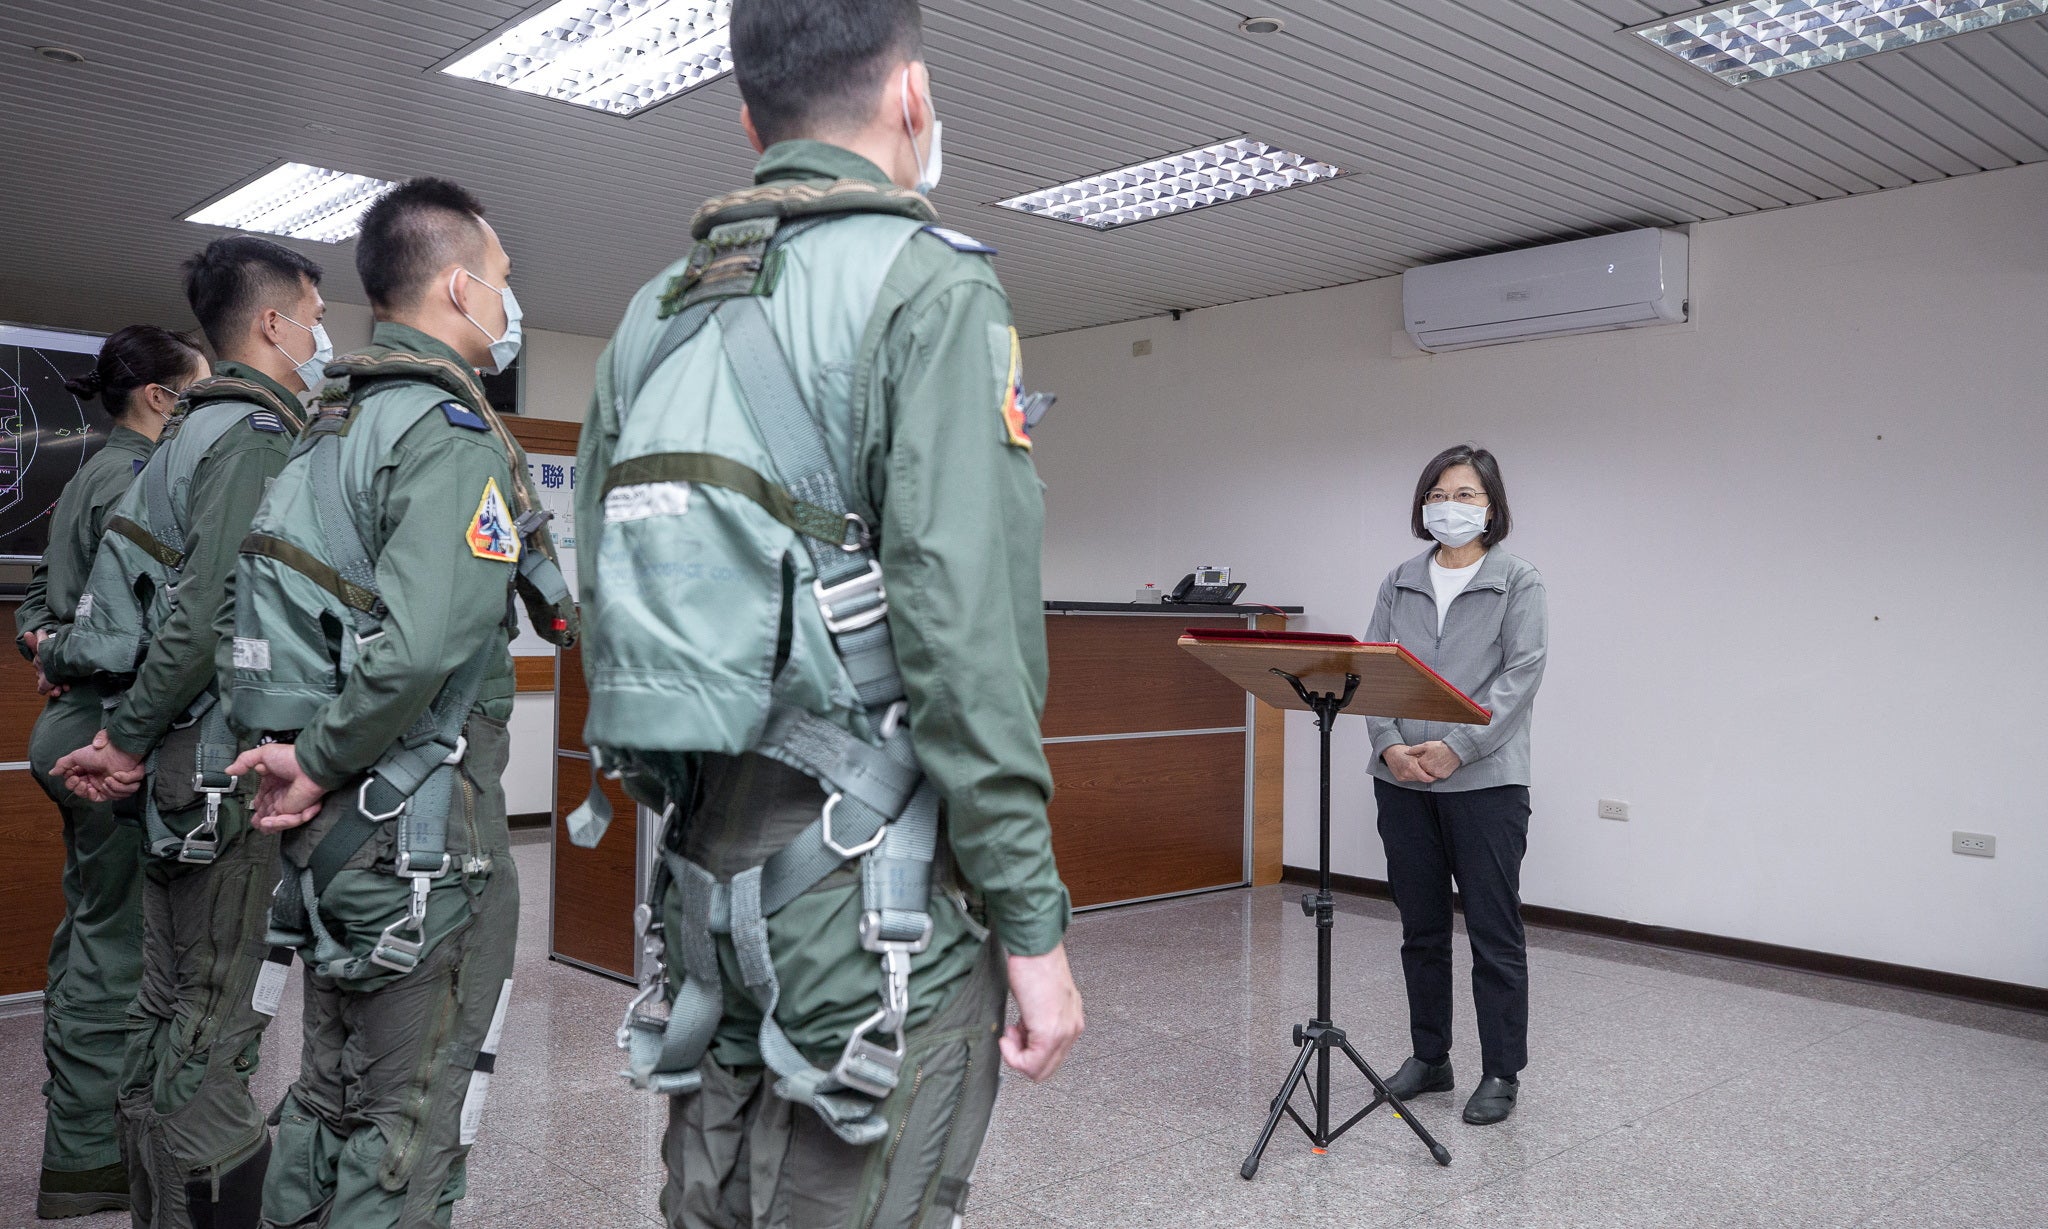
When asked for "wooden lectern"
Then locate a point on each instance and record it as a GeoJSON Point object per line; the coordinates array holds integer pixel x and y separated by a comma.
{"type": "Point", "coordinates": [1327, 675]}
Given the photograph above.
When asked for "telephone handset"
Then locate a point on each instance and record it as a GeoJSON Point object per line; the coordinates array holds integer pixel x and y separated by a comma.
{"type": "Point", "coordinates": [1206, 586]}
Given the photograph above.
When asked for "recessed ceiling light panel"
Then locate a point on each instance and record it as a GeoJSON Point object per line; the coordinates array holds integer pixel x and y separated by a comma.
{"type": "Point", "coordinates": [1740, 43]}
{"type": "Point", "coordinates": [1212, 175]}
{"type": "Point", "coordinates": [297, 201]}
{"type": "Point", "coordinates": [619, 56]}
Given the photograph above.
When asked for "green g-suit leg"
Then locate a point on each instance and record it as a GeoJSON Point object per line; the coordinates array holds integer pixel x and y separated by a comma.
{"type": "Point", "coordinates": [95, 964]}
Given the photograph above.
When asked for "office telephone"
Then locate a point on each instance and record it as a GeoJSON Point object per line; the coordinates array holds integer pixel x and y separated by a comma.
{"type": "Point", "coordinates": [1206, 586]}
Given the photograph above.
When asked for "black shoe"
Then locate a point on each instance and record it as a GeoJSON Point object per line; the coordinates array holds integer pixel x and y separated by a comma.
{"type": "Point", "coordinates": [1492, 1101]}
{"type": "Point", "coordinates": [81, 1192]}
{"type": "Point", "coordinates": [1417, 1077]}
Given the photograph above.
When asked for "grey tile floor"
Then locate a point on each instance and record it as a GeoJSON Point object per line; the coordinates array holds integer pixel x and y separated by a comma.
{"type": "Point", "coordinates": [1665, 1090]}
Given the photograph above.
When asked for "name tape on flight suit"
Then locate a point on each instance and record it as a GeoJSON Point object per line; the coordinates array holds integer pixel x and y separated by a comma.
{"type": "Point", "coordinates": [277, 965]}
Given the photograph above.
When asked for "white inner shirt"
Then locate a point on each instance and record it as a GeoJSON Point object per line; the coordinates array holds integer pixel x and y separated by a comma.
{"type": "Point", "coordinates": [1449, 583]}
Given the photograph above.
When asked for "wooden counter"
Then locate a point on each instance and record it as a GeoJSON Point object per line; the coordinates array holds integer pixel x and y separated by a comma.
{"type": "Point", "coordinates": [1166, 779]}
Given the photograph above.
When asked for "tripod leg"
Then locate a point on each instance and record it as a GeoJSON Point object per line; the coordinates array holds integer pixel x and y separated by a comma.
{"type": "Point", "coordinates": [1436, 1150]}
{"type": "Point", "coordinates": [1251, 1163]}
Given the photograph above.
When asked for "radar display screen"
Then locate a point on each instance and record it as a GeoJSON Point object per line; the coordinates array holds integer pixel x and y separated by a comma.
{"type": "Point", "coordinates": [46, 434]}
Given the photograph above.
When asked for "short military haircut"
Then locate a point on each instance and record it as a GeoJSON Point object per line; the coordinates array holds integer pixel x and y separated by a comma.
{"type": "Point", "coordinates": [413, 232]}
{"type": "Point", "coordinates": [236, 277]}
{"type": "Point", "coordinates": [806, 68]}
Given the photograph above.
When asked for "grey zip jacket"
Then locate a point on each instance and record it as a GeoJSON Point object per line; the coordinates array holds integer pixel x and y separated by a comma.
{"type": "Point", "coordinates": [1492, 648]}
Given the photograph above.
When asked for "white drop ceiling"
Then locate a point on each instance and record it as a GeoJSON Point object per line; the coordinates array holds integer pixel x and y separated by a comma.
{"type": "Point", "coordinates": [1467, 126]}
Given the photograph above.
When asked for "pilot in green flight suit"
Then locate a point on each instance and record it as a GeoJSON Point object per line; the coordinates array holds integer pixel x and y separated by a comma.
{"type": "Point", "coordinates": [403, 898]}
{"type": "Point", "coordinates": [96, 955]}
{"type": "Point", "coordinates": [194, 1139]}
{"type": "Point", "coordinates": [941, 456]}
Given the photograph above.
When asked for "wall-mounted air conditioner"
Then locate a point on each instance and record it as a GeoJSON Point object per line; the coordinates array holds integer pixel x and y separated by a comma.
{"type": "Point", "coordinates": [1622, 281]}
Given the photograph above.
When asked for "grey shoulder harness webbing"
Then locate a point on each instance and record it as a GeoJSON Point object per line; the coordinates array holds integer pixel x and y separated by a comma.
{"type": "Point", "coordinates": [407, 783]}
{"type": "Point", "coordinates": [879, 810]}
{"type": "Point", "coordinates": [211, 743]}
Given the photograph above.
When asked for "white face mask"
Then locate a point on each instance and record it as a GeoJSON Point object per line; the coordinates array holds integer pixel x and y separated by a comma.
{"type": "Point", "coordinates": [312, 372]}
{"type": "Point", "coordinates": [1452, 523]}
{"type": "Point", "coordinates": [503, 349]}
{"type": "Point", "coordinates": [932, 162]}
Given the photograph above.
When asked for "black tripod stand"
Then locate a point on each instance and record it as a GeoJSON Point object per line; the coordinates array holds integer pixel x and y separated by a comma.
{"type": "Point", "coordinates": [1321, 1036]}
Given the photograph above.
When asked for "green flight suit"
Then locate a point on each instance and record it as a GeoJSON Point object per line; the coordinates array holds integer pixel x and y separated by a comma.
{"type": "Point", "coordinates": [96, 954]}
{"type": "Point", "coordinates": [377, 1128]}
{"type": "Point", "coordinates": [961, 522]}
{"type": "Point", "coordinates": [191, 1132]}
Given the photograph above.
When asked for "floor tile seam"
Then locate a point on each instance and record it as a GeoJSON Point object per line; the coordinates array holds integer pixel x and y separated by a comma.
{"type": "Point", "coordinates": [1908, 1191]}
{"type": "Point", "coordinates": [1049, 1178]}
{"type": "Point", "coordinates": [1518, 1171]}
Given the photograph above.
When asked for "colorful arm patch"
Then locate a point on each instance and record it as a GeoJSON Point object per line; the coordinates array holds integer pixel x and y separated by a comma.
{"type": "Point", "coordinates": [1016, 431]}
{"type": "Point", "coordinates": [491, 534]}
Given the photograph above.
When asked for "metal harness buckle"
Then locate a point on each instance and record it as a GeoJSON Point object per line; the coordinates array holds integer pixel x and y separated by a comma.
{"type": "Point", "coordinates": [868, 1066]}
{"type": "Point", "coordinates": [202, 844]}
{"type": "Point", "coordinates": [637, 1014]}
{"type": "Point", "coordinates": [825, 835]}
{"type": "Point", "coordinates": [831, 598]}
{"type": "Point", "coordinates": [403, 955]}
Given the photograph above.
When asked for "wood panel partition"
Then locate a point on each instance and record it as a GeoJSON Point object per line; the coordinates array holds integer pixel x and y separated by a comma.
{"type": "Point", "coordinates": [1165, 778]}
{"type": "Point", "coordinates": [32, 892]}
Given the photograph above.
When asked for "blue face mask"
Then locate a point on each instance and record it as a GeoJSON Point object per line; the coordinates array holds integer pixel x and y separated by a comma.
{"type": "Point", "coordinates": [503, 349]}
{"type": "Point", "coordinates": [312, 372]}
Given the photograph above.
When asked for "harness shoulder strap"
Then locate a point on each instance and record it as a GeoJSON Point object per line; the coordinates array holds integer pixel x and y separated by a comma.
{"type": "Point", "coordinates": [201, 428]}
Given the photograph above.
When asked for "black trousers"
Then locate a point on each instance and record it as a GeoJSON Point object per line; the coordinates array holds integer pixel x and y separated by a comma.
{"type": "Point", "coordinates": [1476, 837]}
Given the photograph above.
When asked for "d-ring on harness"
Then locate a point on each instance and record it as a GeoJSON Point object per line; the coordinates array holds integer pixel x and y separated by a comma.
{"type": "Point", "coordinates": [879, 810]}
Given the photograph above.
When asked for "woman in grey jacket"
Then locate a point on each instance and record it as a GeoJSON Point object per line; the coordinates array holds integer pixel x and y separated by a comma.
{"type": "Point", "coordinates": [1454, 799]}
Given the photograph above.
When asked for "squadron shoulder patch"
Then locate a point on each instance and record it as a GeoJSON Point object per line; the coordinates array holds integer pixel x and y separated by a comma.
{"type": "Point", "coordinates": [462, 416]}
{"type": "Point", "coordinates": [1008, 354]}
{"type": "Point", "coordinates": [959, 242]}
{"type": "Point", "coordinates": [490, 534]}
{"type": "Point", "coordinates": [265, 421]}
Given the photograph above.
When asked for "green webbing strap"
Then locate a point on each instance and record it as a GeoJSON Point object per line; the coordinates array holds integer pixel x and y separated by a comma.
{"type": "Point", "coordinates": [346, 553]}
{"type": "Point", "coordinates": [396, 780]}
{"type": "Point", "coordinates": [853, 1118]}
{"type": "Point", "coordinates": [867, 775]}
{"type": "Point", "coordinates": [707, 469]}
{"type": "Point", "coordinates": [306, 564]}
{"type": "Point", "coordinates": [664, 1054]}
{"type": "Point", "coordinates": [849, 581]}
{"type": "Point", "coordinates": [143, 538]}
{"type": "Point", "coordinates": [197, 432]}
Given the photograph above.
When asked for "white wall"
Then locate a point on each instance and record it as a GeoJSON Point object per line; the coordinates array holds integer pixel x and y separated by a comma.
{"type": "Point", "coordinates": [1794, 549]}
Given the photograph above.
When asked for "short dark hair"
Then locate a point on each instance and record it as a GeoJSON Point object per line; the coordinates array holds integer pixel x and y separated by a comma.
{"type": "Point", "coordinates": [413, 232]}
{"type": "Point", "coordinates": [1499, 523]}
{"type": "Point", "coordinates": [805, 67]}
{"type": "Point", "coordinates": [136, 357]}
{"type": "Point", "coordinates": [236, 277]}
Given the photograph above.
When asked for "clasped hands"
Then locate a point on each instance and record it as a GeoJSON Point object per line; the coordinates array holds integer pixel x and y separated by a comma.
{"type": "Point", "coordinates": [1423, 763]}
{"type": "Point", "coordinates": [287, 797]}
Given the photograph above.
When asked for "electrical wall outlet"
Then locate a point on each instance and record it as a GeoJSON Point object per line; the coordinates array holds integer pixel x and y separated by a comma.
{"type": "Point", "coordinates": [1613, 809]}
{"type": "Point", "coordinates": [1975, 844]}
